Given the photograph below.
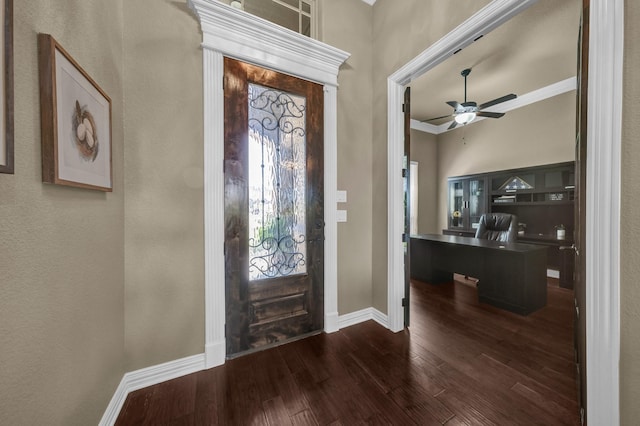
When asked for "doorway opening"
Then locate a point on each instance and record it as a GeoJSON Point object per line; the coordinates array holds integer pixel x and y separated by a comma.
{"type": "Point", "coordinates": [603, 178]}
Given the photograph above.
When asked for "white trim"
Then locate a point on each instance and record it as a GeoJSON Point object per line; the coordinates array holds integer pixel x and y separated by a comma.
{"type": "Point", "coordinates": [231, 32]}
{"type": "Point", "coordinates": [604, 140]}
{"type": "Point", "coordinates": [395, 213]}
{"type": "Point", "coordinates": [532, 97]}
{"type": "Point", "coordinates": [149, 376]}
{"type": "Point", "coordinates": [380, 318]}
{"type": "Point", "coordinates": [353, 318]}
{"type": "Point", "coordinates": [330, 209]}
{"type": "Point", "coordinates": [370, 2]}
{"type": "Point", "coordinates": [241, 35]}
{"type": "Point", "coordinates": [214, 290]}
{"type": "Point", "coordinates": [603, 188]}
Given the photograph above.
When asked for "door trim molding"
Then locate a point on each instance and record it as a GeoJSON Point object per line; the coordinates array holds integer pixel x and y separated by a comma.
{"type": "Point", "coordinates": [237, 34]}
{"type": "Point", "coordinates": [603, 184]}
{"type": "Point", "coordinates": [604, 141]}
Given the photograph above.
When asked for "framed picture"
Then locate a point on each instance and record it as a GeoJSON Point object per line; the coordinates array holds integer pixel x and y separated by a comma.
{"type": "Point", "coordinates": [75, 121]}
{"type": "Point", "coordinates": [6, 87]}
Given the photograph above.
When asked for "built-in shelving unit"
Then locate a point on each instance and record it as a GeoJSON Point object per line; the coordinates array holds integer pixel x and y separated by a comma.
{"type": "Point", "coordinates": [542, 197]}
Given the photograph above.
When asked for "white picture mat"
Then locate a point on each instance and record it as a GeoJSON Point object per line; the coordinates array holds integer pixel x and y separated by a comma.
{"type": "Point", "coordinates": [72, 86]}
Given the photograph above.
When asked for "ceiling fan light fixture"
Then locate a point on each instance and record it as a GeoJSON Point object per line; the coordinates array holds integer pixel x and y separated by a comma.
{"type": "Point", "coordinates": [465, 117]}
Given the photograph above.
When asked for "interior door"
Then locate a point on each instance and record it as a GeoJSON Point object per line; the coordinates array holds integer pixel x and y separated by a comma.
{"type": "Point", "coordinates": [406, 173]}
{"type": "Point", "coordinates": [274, 211]}
{"type": "Point", "coordinates": [580, 325]}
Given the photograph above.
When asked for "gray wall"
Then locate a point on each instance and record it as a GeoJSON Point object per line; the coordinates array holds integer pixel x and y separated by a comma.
{"type": "Point", "coordinates": [61, 248]}
{"type": "Point", "coordinates": [164, 206]}
{"type": "Point", "coordinates": [424, 150]}
{"type": "Point", "coordinates": [630, 223]}
{"type": "Point", "coordinates": [348, 25]}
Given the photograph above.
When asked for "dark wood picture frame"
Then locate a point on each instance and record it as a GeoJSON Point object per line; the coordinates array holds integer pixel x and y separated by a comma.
{"type": "Point", "coordinates": [6, 130]}
{"type": "Point", "coordinates": [75, 122]}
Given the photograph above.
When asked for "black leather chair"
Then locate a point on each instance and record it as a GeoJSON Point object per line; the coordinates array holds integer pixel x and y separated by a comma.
{"type": "Point", "coordinates": [498, 227]}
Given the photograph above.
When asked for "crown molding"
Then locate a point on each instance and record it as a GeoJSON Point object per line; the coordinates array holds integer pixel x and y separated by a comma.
{"type": "Point", "coordinates": [538, 95]}
{"type": "Point", "coordinates": [369, 2]}
{"type": "Point", "coordinates": [246, 37]}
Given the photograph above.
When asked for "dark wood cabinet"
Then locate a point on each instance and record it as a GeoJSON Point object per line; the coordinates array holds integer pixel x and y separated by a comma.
{"type": "Point", "coordinates": [459, 232]}
{"type": "Point", "coordinates": [511, 276]}
{"type": "Point", "coordinates": [468, 197]}
{"type": "Point", "coordinates": [542, 198]}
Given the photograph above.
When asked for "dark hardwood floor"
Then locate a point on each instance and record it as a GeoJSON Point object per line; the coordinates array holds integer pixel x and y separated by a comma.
{"type": "Point", "coordinates": [460, 363]}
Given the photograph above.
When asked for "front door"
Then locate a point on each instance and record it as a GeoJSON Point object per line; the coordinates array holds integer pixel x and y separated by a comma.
{"type": "Point", "coordinates": [274, 210]}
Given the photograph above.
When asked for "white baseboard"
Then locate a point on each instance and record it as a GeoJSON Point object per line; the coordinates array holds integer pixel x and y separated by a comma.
{"type": "Point", "coordinates": [149, 376]}
{"type": "Point", "coordinates": [215, 353]}
{"type": "Point", "coordinates": [363, 315]}
{"type": "Point", "coordinates": [331, 322]}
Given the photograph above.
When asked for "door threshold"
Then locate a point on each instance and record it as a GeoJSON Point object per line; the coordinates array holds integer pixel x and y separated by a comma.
{"type": "Point", "coordinates": [273, 345]}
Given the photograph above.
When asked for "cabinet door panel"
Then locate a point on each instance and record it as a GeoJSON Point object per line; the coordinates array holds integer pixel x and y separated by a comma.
{"type": "Point", "coordinates": [456, 204]}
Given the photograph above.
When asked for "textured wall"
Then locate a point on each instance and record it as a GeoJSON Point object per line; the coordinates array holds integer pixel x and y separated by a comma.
{"type": "Point", "coordinates": [541, 133]}
{"type": "Point", "coordinates": [164, 231]}
{"type": "Point", "coordinates": [630, 224]}
{"type": "Point", "coordinates": [347, 25]}
{"type": "Point", "coordinates": [61, 258]}
{"type": "Point", "coordinates": [424, 150]}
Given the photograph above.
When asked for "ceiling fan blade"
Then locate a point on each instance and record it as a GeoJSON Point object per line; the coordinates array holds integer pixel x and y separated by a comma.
{"type": "Point", "coordinates": [453, 104]}
{"type": "Point", "coordinates": [490, 114]}
{"type": "Point", "coordinates": [436, 118]}
{"type": "Point", "coordinates": [497, 101]}
{"type": "Point", "coordinates": [453, 125]}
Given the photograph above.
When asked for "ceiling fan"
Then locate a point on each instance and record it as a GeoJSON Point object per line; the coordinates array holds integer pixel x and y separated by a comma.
{"type": "Point", "coordinates": [466, 112]}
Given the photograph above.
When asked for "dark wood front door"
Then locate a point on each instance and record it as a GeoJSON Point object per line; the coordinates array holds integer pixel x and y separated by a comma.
{"type": "Point", "coordinates": [274, 209]}
{"type": "Point", "coordinates": [580, 324]}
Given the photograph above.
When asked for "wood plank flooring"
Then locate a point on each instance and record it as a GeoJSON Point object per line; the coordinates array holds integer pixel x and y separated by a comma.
{"type": "Point", "coordinates": [460, 363]}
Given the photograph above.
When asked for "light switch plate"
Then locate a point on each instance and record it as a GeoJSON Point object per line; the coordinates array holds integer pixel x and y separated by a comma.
{"type": "Point", "coordinates": [341, 216]}
{"type": "Point", "coordinates": [341, 197]}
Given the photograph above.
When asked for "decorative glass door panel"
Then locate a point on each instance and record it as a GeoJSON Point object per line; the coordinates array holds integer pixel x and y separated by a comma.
{"type": "Point", "coordinates": [476, 201]}
{"type": "Point", "coordinates": [456, 204]}
{"type": "Point", "coordinates": [277, 169]}
{"type": "Point", "coordinates": [274, 207]}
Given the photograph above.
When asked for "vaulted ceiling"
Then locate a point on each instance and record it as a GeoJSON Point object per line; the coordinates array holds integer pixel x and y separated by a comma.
{"type": "Point", "coordinates": [533, 50]}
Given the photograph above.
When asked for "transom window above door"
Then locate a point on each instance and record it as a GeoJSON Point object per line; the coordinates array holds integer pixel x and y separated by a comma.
{"type": "Point", "coordinates": [296, 15]}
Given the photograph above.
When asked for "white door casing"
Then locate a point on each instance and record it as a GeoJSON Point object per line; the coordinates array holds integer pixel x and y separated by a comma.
{"type": "Point", "coordinates": [234, 33]}
{"type": "Point", "coordinates": [604, 124]}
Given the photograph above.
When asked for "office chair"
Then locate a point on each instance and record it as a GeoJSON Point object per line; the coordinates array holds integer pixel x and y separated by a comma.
{"type": "Point", "coordinates": [498, 227]}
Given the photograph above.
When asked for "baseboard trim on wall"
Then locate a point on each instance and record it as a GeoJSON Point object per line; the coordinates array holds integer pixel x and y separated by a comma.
{"type": "Point", "coordinates": [215, 353]}
{"type": "Point", "coordinates": [155, 374]}
{"type": "Point", "coordinates": [331, 322]}
{"type": "Point", "coordinates": [149, 376]}
{"type": "Point", "coordinates": [363, 315]}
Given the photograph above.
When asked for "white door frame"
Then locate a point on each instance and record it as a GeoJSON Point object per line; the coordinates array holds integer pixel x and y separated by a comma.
{"type": "Point", "coordinates": [234, 33]}
{"type": "Point", "coordinates": [604, 138]}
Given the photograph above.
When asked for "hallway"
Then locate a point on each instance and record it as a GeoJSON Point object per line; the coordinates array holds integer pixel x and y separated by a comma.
{"type": "Point", "coordinates": [459, 363]}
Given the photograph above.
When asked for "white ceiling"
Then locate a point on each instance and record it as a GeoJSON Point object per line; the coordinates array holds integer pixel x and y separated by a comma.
{"type": "Point", "coordinates": [535, 49]}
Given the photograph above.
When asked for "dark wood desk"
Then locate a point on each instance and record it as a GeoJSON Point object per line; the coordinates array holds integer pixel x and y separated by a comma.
{"type": "Point", "coordinates": [512, 276]}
